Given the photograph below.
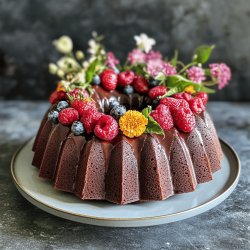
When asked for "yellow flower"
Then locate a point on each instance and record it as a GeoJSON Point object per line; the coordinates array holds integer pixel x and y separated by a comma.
{"type": "Point", "coordinates": [133, 123]}
{"type": "Point", "coordinates": [190, 89]}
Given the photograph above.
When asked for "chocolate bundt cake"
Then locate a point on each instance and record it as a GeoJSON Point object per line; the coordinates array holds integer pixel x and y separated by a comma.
{"type": "Point", "coordinates": [140, 133]}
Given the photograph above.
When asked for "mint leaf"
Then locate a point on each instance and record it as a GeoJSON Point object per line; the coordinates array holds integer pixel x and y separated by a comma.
{"type": "Point", "coordinates": [207, 90]}
{"type": "Point", "coordinates": [146, 111]}
{"type": "Point", "coordinates": [153, 127]}
{"type": "Point", "coordinates": [203, 53]}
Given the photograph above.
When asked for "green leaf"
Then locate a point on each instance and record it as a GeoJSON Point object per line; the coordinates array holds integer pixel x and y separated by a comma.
{"type": "Point", "coordinates": [172, 91]}
{"type": "Point", "coordinates": [175, 58]}
{"type": "Point", "coordinates": [91, 71]}
{"type": "Point", "coordinates": [203, 53]}
{"type": "Point", "coordinates": [207, 90]}
{"type": "Point", "coordinates": [160, 77]}
{"type": "Point", "coordinates": [153, 127]}
{"type": "Point", "coordinates": [146, 111]}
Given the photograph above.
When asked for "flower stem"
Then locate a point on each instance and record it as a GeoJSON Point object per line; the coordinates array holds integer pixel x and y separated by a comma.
{"type": "Point", "coordinates": [186, 67]}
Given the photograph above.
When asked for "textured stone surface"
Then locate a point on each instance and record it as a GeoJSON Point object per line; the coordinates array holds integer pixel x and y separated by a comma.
{"type": "Point", "coordinates": [27, 28]}
{"type": "Point", "coordinates": [23, 226]}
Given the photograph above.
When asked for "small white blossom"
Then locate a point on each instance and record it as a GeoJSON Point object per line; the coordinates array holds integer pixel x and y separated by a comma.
{"type": "Point", "coordinates": [93, 47]}
{"type": "Point", "coordinates": [63, 44]}
{"type": "Point", "coordinates": [79, 55]}
{"type": "Point", "coordinates": [60, 73]}
{"type": "Point", "coordinates": [53, 68]}
{"type": "Point", "coordinates": [80, 77]}
{"type": "Point", "coordinates": [85, 64]}
{"type": "Point", "coordinates": [68, 64]}
{"type": "Point", "coordinates": [65, 84]}
{"type": "Point", "coordinates": [144, 42]}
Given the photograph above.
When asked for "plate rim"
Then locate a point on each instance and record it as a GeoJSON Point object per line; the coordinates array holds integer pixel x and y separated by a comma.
{"type": "Point", "coordinates": [226, 193]}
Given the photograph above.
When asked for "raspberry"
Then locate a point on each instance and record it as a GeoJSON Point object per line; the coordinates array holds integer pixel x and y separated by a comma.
{"type": "Point", "coordinates": [196, 105]}
{"type": "Point", "coordinates": [140, 84]}
{"type": "Point", "coordinates": [185, 96]}
{"type": "Point", "coordinates": [83, 105]}
{"type": "Point", "coordinates": [79, 93]}
{"type": "Point", "coordinates": [173, 103]}
{"type": "Point", "coordinates": [125, 78]}
{"type": "Point", "coordinates": [56, 96]}
{"type": "Point", "coordinates": [109, 79]}
{"type": "Point", "coordinates": [106, 128]}
{"type": "Point", "coordinates": [184, 119]}
{"type": "Point", "coordinates": [163, 116]}
{"type": "Point", "coordinates": [90, 118]}
{"type": "Point", "coordinates": [157, 91]}
{"type": "Point", "coordinates": [203, 96]}
{"type": "Point", "coordinates": [68, 116]}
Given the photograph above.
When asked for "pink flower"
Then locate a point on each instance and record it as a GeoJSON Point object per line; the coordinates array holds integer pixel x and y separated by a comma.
{"type": "Point", "coordinates": [168, 69]}
{"type": "Point", "coordinates": [153, 55]}
{"type": "Point", "coordinates": [221, 72]}
{"type": "Point", "coordinates": [196, 74]}
{"type": "Point", "coordinates": [154, 67]}
{"type": "Point", "coordinates": [136, 56]}
{"type": "Point", "coordinates": [111, 60]}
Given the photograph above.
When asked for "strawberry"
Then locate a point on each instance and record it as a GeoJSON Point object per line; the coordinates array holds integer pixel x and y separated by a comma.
{"type": "Point", "coordinates": [90, 118]}
{"type": "Point", "coordinates": [157, 91]}
{"type": "Point", "coordinates": [67, 116]}
{"type": "Point", "coordinates": [196, 105]}
{"type": "Point", "coordinates": [126, 77]}
{"type": "Point", "coordinates": [108, 79]}
{"type": "Point", "coordinates": [106, 128]}
{"type": "Point", "coordinates": [140, 84]}
{"type": "Point", "coordinates": [163, 116]}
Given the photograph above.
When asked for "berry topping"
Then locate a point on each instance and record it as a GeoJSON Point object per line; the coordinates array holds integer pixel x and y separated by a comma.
{"type": "Point", "coordinates": [109, 79]}
{"type": "Point", "coordinates": [203, 96]}
{"type": "Point", "coordinates": [163, 116]}
{"type": "Point", "coordinates": [126, 77]}
{"type": "Point", "coordinates": [128, 90]}
{"type": "Point", "coordinates": [56, 96]}
{"type": "Point", "coordinates": [62, 105]}
{"type": "Point", "coordinates": [96, 80]}
{"type": "Point", "coordinates": [185, 96]}
{"type": "Point", "coordinates": [83, 105]}
{"type": "Point", "coordinates": [178, 96]}
{"type": "Point", "coordinates": [90, 118]}
{"type": "Point", "coordinates": [140, 84]}
{"type": "Point", "coordinates": [77, 128]}
{"type": "Point", "coordinates": [79, 93]}
{"type": "Point", "coordinates": [196, 105]}
{"type": "Point", "coordinates": [53, 116]}
{"type": "Point", "coordinates": [68, 116]}
{"type": "Point", "coordinates": [173, 103]}
{"type": "Point", "coordinates": [106, 128]}
{"type": "Point", "coordinates": [113, 102]}
{"type": "Point", "coordinates": [184, 119]}
{"type": "Point", "coordinates": [157, 91]}
{"type": "Point", "coordinates": [118, 111]}
{"type": "Point", "coordinates": [153, 82]}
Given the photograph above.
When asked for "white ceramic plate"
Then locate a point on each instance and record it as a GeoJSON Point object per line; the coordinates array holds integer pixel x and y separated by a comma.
{"type": "Point", "coordinates": [42, 194]}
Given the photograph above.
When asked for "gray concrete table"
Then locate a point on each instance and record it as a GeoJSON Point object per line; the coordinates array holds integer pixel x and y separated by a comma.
{"type": "Point", "coordinates": [23, 226]}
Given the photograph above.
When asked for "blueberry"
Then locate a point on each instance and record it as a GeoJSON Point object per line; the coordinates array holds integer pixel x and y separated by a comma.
{"type": "Point", "coordinates": [117, 71]}
{"type": "Point", "coordinates": [53, 116]}
{"type": "Point", "coordinates": [155, 102]}
{"type": "Point", "coordinates": [128, 90]}
{"type": "Point", "coordinates": [62, 105]}
{"type": "Point", "coordinates": [96, 80]}
{"type": "Point", "coordinates": [153, 82]}
{"type": "Point", "coordinates": [113, 103]}
{"type": "Point", "coordinates": [118, 111]}
{"type": "Point", "coordinates": [77, 128]}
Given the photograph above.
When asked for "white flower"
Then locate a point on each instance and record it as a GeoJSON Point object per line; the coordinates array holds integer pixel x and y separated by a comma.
{"type": "Point", "coordinates": [93, 47]}
{"type": "Point", "coordinates": [144, 42]}
{"type": "Point", "coordinates": [85, 64]}
{"type": "Point", "coordinates": [53, 68]}
{"type": "Point", "coordinates": [80, 77]}
{"type": "Point", "coordinates": [68, 64]}
{"type": "Point", "coordinates": [79, 55]}
{"type": "Point", "coordinates": [65, 84]}
{"type": "Point", "coordinates": [60, 73]}
{"type": "Point", "coordinates": [63, 44]}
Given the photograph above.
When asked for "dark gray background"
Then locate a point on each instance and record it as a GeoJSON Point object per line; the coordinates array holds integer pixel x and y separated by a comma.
{"type": "Point", "coordinates": [27, 28]}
